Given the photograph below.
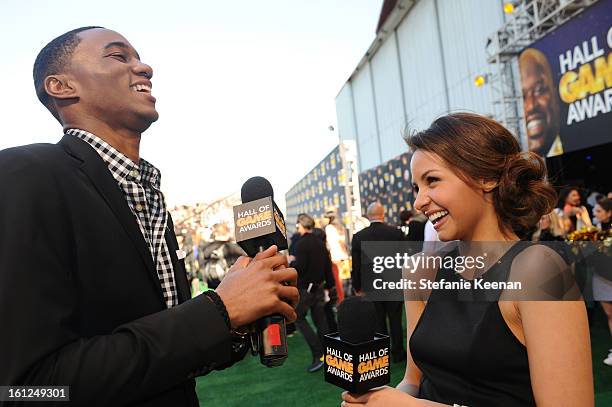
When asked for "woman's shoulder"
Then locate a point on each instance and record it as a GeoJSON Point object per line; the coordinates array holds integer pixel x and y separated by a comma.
{"type": "Point", "coordinates": [543, 274]}
{"type": "Point", "coordinates": [531, 252]}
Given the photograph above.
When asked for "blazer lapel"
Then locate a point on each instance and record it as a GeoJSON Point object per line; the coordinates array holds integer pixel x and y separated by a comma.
{"type": "Point", "coordinates": [96, 170]}
{"type": "Point", "coordinates": [180, 275]}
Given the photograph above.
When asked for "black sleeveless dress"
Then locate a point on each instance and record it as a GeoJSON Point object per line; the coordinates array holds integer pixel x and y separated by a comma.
{"type": "Point", "coordinates": [465, 350]}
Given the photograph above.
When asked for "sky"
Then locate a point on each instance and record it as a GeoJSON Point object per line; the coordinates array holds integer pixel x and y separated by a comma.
{"type": "Point", "coordinates": [243, 87]}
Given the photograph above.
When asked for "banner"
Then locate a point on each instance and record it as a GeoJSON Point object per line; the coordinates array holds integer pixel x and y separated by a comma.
{"type": "Point", "coordinates": [322, 187]}
{"type": "Point", "coordinates": [566, 80]}
{"type": "Point", "coordinates": [390, 184]}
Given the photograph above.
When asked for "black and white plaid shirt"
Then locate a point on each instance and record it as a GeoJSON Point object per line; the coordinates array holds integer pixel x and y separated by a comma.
{"type": "Point", "coordinates": [140, 184]}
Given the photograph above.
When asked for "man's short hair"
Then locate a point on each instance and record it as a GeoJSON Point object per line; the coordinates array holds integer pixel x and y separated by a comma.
{"type": "Point", "coordinates": [406, 214]}
{"type": "Point", "coordinates": [51, 60]}
{"type": "Point", "coordinates": [306, 221]}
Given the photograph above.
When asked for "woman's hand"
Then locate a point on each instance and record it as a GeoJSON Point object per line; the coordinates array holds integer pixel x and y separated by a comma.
{"type": "Point", "coordinates": [382, 397]}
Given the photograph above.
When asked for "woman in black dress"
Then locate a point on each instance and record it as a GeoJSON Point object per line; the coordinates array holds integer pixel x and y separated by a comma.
{"type": "Point", "coordinates": [474, 183]}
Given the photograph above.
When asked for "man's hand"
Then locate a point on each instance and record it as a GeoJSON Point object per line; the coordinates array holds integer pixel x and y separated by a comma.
{"type": "Point", "coordinates": [255, 288]}
{"type": "Point", "coordinates": [332, 294]}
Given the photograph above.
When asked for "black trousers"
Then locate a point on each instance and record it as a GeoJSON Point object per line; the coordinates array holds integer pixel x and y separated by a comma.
{"type": "Point", "coordinates": [393, 311]}
{"type": "Point", "coordinates": [315, 302]}
{"type": "Point", "coordinates": [330, 316]}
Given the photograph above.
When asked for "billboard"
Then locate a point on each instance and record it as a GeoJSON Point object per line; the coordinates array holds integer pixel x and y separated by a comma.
{"type": "Point", "coordinates": [566, 80]}
{"type": "Point", "coordinates": [390, 184]}
{"type": "Point", "coordinates": [322, 187]}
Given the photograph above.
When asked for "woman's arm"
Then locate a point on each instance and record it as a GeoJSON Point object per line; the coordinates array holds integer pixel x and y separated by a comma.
{"type": "Point", "coordinates": [559, 351]}
{"type": "Point", "coordinates": [412, 376]}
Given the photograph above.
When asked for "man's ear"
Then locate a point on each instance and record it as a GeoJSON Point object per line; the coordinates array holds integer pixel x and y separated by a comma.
{"type": "Point", "coordinates": [60, 87]}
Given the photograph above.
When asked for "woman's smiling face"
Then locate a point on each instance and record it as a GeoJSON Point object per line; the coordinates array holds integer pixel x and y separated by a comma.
{"type": "Point", "coordinates": [454, 207]}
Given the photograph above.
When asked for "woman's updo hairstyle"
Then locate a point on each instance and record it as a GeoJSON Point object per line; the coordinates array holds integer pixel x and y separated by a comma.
{"type": "Point", "coordinates": [480, 149]}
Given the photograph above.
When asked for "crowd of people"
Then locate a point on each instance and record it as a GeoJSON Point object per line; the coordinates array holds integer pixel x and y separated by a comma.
{"type": "Point", "coordinates": [575, 215]}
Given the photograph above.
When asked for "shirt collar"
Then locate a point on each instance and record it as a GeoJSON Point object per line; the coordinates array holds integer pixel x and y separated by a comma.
{"type": "Point", "coordinates": [120, 166]}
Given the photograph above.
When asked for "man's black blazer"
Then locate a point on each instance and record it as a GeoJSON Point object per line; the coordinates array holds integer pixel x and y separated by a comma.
{"type": "Point", "coordinates": [80, 300]}
{"type": "Point", "coordinates": [376, 232]}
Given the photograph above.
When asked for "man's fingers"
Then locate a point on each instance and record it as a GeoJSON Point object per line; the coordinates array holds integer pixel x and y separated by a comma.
{"type": "Point", "coordinates": [286, 310]}
{"type": "Point", "coordinates": [289, 293]}
{"type": "Point", "coordinates": [287, 275]}
{"type": "Point", "coordinates": [240, 263]}
{"type": "Point", "coordinates": [269, 252]}
{"type": "Point", "coordinates": [274, 261]}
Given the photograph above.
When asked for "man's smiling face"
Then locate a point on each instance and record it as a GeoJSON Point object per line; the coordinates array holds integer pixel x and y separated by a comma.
{"type": "Point", "coordinates": [112, 84]}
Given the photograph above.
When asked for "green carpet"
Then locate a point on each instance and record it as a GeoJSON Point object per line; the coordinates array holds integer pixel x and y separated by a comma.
{"type": "Point", "coordinates": [250, 383]}
{"type": "Point", "coordinates": [600, 344]}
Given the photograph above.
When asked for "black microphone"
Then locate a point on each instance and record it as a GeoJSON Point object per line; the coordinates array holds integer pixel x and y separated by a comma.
{"type": "Point", "coordinates": [357, 357]}
{"type": "Point", "coordinates": [259, 224]}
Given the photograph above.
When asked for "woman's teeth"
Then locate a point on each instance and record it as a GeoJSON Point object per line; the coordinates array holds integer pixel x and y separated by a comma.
{"type": "Point", "coordinates": [434, 217]}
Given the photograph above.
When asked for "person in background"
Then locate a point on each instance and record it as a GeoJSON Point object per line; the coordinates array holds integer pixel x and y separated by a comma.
{"type": "Point", "coordinates": [310, 262]}
{"type": "Point", "coordinates": [404, 216]}
{"type": "Point", "coordinates": [379, 231]}
{"type": "Point", "coordinates": [331, 295]}
{"type": "Point", "coordinates": [592, 200]}
{"type": "Point", "coordinates": [602, 212]}
{"type": "Point", "coordinates": [336, 243]}
{"type": "Point", "coordinates": [576, 216]}
{"type": "Point", "coordinates": [413, 228]}
{"type": "Point", "coordinates": [292, 241]}
{"type": "Point", "coordinates": [550, 228]}
{"type": "Point", "coordinates": [602, 286]}
{"type": "Point", "coordinates": [219, 255]}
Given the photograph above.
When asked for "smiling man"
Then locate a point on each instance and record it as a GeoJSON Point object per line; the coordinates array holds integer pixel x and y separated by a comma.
{"type": "Point", "coordinates": [93, 292]}
{"type": "Point", "coordinates": [540, 104]}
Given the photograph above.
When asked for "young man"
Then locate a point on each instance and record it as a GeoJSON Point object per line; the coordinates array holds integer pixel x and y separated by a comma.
{"type": "Point", "coordinates": [93, 294]}
{"type": "Point", "coordinates": [311, 261]}
{"type": "Point", "coordinates": [379, 231]}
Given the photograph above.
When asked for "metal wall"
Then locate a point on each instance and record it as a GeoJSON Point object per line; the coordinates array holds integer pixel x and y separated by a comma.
{"type": "Point", "coordinates": [365, 117]}
{"type": "Point", "coordinates": [423, 69]}
{"type": "Point", "coordinates": [387, 80]}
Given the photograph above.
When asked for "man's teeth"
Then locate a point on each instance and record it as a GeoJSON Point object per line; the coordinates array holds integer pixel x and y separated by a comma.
{"type": "Point", "coordinates": [435, 216]}
{"type": "Point", "coordinates": [534, 123]}
{"type": "Point", "coordinates": [141, 88]}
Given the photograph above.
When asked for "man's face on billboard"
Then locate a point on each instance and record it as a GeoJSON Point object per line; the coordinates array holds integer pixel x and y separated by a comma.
{"type": "Point", "coordinates": [541, 114]}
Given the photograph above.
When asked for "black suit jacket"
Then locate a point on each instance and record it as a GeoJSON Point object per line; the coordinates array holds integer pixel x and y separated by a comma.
{"type": "Point", "coordinates": [312, 262]}
{"type": "Point", "coordinates": [376, 232]}
{"type": "Point", "coordinates": [80, 300]}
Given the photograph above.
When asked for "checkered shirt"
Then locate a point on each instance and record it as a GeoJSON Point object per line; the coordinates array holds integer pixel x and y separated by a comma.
{"type": "Point", "coordinates": [140, 185]}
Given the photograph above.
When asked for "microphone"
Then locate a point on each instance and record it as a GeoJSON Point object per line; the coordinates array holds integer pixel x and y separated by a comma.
{"type": "Point", "coordinates": [259, 224]}
{"type": "Point", "coordinates": [356, 357]}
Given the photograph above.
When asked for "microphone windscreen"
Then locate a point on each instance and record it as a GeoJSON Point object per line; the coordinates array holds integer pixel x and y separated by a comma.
{"type": "Point", "coordinates": [256, 188]}
{"type": "Point", "coordinates": [356, 320]}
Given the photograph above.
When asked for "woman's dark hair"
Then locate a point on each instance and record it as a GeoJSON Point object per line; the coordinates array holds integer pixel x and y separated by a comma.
{"type": "Point", "coordinates": [606, 204]}
{"type": "Point", "coordinates": [563, 194]}
{"type": "Point", "coordinates": [481, 149]}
